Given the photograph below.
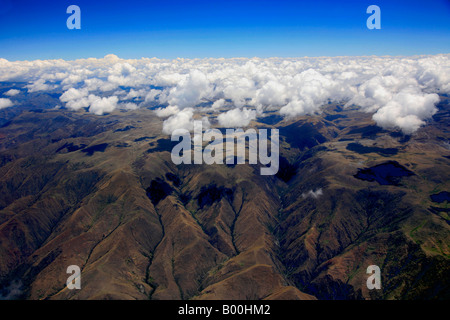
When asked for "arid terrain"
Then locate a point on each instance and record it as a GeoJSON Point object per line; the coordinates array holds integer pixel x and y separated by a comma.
{"type": "Point", "coordinates": [101, 192]}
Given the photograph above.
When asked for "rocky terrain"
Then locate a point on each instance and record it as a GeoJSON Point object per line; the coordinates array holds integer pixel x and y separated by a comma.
{"type": "Point", "coordinates": [101, 192]}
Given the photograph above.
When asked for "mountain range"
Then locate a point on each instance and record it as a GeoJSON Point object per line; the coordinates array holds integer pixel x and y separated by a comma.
{"type": "Point", "coordinates": [102, 193]}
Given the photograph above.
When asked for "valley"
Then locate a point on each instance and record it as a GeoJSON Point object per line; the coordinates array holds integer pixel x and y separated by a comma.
{"type": "Point", "coordinates": [102, 192]}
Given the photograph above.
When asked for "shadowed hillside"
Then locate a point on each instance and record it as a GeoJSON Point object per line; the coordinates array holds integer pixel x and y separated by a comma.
{"type": "Point", "coordinates": [102, 193]}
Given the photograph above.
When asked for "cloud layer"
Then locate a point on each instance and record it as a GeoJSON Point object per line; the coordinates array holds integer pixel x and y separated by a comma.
{"type": "Point", "coordinates": [5, 103]}
{"type": "Point", "coordinates": [401, 92]}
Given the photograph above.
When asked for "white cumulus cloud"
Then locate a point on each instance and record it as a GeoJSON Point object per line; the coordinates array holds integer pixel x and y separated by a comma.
{"type": "Point", "coordinates": [407, 110]}
{"type": "Point", "coordinates": [12, 92]}
{"type": "Point", "coordinates": [101, 105]}
{"type": "Point", "coordinates": [5, 103]}
{"type": "Point", "coordinates": [400, 92]}
{"type": "Point", "coordinates": [236, 117]}
{"type": "Point", "coordinates": [313, 194]}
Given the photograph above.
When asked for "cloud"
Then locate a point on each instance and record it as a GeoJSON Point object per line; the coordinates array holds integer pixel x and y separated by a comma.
{"type": "Point", "coordinates": [167, 112]}
{"type": "Point", "coordinates": [73, 94]}
{"type": "Point", "coordinates": [190, 91]}
{"type": "Point", "coordinates": [272, 93]}
{"type": "Point", "coordinates": [99, 105]}
{"type": "Point", "coordinates": [13, 291]}
{"type": "Point", "coordinates": [218, 104]}
{"type": "Point", "coordinates": [12, 92]}
{"type": "Point", "coordinates": [236, 118]}
{"type": "Point", "coordinates": [80, 98]}
{"type": "Point", "coordinates": [407, 110]}
{"type": "Point", "coordinates": [5, 103]}
{"type": "Point", "coordinates": [296, 108]}
{"type": "Point", "coordinates": [313, 194]}
{"type": "Point", "coordinates": [75, 99]}
{"type": "Point", "coordinates": [181, 120]}
{"type": "Point", "coordinates": [152, 94]}
{"type": "Point", "coordinates": [39, 85]}
{"type": "Point", "coordinates": [398, 91]}
{"type": "Point", "coordinates": [129, 106]}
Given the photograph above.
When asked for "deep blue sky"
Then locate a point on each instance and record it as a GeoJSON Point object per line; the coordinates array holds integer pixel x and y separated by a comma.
{"type": "Point", "coordinates": [245, 28]}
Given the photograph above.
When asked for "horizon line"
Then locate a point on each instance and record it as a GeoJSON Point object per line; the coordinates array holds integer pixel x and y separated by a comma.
{"type": "Point", "coordinates": [233, 58]}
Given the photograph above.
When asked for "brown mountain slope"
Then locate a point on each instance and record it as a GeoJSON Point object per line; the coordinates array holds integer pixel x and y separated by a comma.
{"type": "Point", "coordinates": [102, 193]}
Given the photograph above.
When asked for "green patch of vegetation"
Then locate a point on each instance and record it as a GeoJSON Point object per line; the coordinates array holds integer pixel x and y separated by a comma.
{"type": "Point", "coordinates": [151, 281]}
{"type": "Point", "coordinates": [352, 274]}
{"type": "Point", "coordinates": [436, 189]}
{"type": "Point", "coordinates": [103, 202]}
{"type": "Point", "coordinates": [414, 230]}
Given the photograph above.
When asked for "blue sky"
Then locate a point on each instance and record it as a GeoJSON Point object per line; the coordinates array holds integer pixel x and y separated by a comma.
{"type": "Point", "coordinates": [245, 28]}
